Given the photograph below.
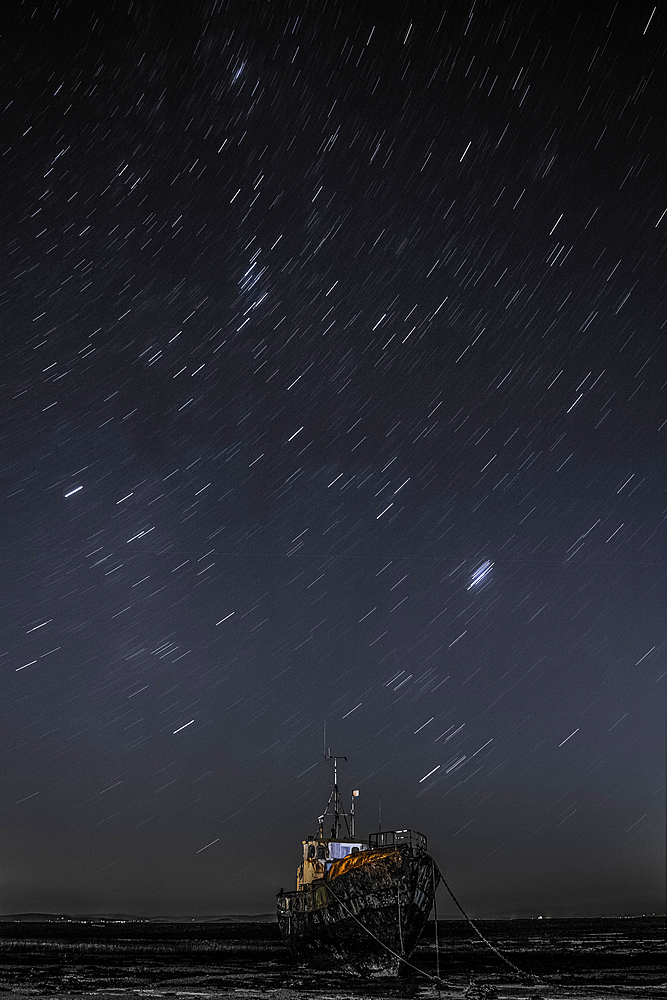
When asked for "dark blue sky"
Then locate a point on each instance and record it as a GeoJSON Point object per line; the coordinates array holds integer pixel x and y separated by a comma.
{"type": "Point", "coordinates": [333, 387]}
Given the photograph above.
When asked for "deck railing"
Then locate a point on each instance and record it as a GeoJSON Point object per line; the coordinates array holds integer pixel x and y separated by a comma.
{"type": "Point", "coordinates": [391, 838]}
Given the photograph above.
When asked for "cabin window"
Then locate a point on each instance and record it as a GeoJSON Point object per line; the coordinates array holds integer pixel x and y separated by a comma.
{"type": "Point", "coordinates": [311, 852]}
{"type": "Point", "coordinates": [321, 852]}
{"type": "Point", "coordinates": [339, 850]}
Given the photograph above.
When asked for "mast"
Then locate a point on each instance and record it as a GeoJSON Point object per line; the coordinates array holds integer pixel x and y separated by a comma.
{"type": "Point", "coordinates": [335, 807]}
{"type": "Point", "coordinates": [337, 811]}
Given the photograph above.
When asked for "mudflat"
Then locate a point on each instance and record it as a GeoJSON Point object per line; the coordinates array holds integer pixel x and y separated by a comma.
{"type": "Point", "coordinates": [568, 958]}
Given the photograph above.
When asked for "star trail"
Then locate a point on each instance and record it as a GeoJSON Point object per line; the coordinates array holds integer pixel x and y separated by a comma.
{"type": "Point", "coordinates": [333, 391]}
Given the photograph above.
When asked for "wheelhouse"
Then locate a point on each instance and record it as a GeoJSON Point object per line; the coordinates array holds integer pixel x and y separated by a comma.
{"type": "Point", "coordinates": [319, 855]}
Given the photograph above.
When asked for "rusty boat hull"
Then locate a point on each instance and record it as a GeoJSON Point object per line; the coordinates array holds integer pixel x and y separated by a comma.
{"type": "Point", "coordinates": [366, 916]}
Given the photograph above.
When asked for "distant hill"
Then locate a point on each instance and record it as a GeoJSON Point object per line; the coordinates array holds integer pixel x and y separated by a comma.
{"type": "Point", "coordinates": [231, 918]}
{"type": "Point", "coordinates": [41, 917]}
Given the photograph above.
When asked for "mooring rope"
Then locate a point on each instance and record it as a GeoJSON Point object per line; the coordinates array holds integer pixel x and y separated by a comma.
{"type": "Point", "coordinates": [385, 946]}
{"type": "Point", "coordinates": [437, 978]}
{"type": "Point", "coordinates": [527, 975]}
{"type": "Point", "coordinates": [578, 989]}
{"type": "Point", "coordinates": [435, 908]}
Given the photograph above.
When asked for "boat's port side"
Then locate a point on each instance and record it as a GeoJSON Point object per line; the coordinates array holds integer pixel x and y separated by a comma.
{"type": "Point", "coordinates": [306, 900]}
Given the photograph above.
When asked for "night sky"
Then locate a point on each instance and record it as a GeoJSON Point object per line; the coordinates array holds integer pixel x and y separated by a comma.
{"type": "Point", "coordinates": [333, 387]}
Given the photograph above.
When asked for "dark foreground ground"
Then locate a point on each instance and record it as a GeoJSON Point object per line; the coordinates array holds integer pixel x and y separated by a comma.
{"type": "Point", "coordinates": [594, 958]}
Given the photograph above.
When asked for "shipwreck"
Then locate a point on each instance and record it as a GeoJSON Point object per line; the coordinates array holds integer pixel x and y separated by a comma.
{"type": "Point", "coordinates": [359, 905]}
